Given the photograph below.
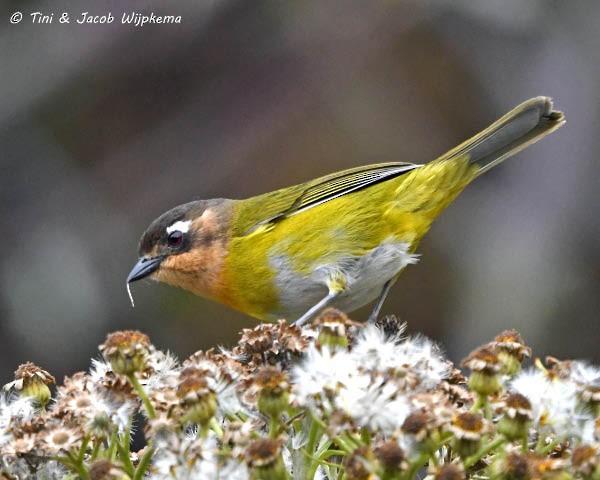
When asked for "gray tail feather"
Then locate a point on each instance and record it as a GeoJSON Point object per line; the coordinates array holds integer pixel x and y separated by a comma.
{"type": "Point", "coordinates": [519, 128]}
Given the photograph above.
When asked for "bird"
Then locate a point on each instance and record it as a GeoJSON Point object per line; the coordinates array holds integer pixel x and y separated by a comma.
{"type": "Point", "coordinates": [336, 241]}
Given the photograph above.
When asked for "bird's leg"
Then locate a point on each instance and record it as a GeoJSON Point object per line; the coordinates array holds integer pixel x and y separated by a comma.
{"type": "Point", "coordinates": [312, 311]}
{"type": "Point", "coordinates": [379, 303]}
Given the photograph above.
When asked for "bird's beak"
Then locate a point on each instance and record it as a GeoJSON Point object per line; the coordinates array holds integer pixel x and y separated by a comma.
{"type": "Point", "coordinates": [144, 267]}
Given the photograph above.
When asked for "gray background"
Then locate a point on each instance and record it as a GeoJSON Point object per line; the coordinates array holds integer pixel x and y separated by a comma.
{"type": "Point", "coordinates": [103, 127]}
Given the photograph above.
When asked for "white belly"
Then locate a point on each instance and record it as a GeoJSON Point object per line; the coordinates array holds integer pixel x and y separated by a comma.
{"type": "Point", "coordinates": [364, 278]}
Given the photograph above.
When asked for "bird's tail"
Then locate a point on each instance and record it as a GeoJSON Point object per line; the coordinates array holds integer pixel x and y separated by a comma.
{"type": "Point", "coordinates": [522, 126]}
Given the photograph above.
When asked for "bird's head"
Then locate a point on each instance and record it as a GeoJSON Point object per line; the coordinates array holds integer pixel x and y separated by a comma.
{"type": "Point", "coordinates": [185, 247]}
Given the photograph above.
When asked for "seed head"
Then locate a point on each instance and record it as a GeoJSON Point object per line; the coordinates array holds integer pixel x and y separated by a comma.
{"type": "Point", "coordinates": [32, 381]}
{"type": "Point", "coordinates": [106, 470]}
{"type": "Point", "coordinates": [196, 396]}
{"type": "Point", "coordinates": [127, 351]}
{"type": "Point", "coordinates": [517, 416]}
{"type": "Point", "coordinates": [449, 471]}
{"type": "Point", "coordinates": [263, 457]}
{"type": "Point", "coordinates": [273, 391]}
{"type": "Point", "coordinates": [390, 458]}
{"type": "Point", "coordinates": [514, 466]}
{"type": "Point", "coordinates": [468, 429]}
{"type": "Point", "coordinates": [485, 367]}
{"type": "Point", "coordinates": [359, 465]}
{"type": "Point", "coordinates": [333, 328]}
{"type": "Point", "coordinates": [585, 460]}
{"type": "Point", "coordinates": [511, 351]}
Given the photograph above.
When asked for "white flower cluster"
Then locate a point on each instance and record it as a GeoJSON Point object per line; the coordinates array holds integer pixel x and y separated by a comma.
{"type": "Point", "coordinates": [371, 382]}
{"type": "Point", "coordinates": [338, 400]}
{"type": "Point", "coordinates": [558, 402]}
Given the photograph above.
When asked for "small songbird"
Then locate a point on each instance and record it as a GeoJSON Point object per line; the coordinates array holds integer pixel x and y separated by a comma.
{"type": "Point", "coordinates": [340, 240]}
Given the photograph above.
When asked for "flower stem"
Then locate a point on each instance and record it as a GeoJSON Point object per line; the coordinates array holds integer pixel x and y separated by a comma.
{"type": "Point", "coordinates": [483, 451]}
{"type": "Point", "coordinates": [125, 458]}
{"type": "Point", "coordinates": [77, 465]}
{"type": "Point", "coordinates": [112, 446]}
{"type": "Point", "coordinates": [548, 448]}
{"type": "Point", "coordinates": [482, 403]}
{"type": "Point", "coordinates": [140, 391]}
{"type": "Point", "coordinates": [416, 464]}
{"type": "Point", "coordinates": [215, 427]}
{"type": "Point", "coordinates": [143, 465]}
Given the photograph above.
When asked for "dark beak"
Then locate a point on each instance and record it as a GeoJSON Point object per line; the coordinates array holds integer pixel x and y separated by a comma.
{"type": "Point", "coordinates": [143, 268]}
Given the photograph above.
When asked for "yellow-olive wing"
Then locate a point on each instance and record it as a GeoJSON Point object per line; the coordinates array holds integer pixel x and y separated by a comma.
{"type": "Point", "coordinates": [266, 210]}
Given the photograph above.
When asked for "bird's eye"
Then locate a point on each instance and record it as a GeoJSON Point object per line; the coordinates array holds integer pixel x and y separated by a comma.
{"type": "Point", "coordinates": [175, 239]}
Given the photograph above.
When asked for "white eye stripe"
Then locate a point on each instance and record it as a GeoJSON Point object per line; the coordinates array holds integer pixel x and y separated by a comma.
{"type": "Point", "coordinates": [181, 226]}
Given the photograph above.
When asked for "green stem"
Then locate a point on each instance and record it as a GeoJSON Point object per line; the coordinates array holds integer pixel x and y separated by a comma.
{"type": "Point", "coordinates": [548, 448]}
{"type": "Point", "coordinates": [127, 439]}
{"type": "Point", "coordinates": [365, 436]}
{"type": "Point", "coordinates": [95, 451]}
{"type": "Point", "coordinates": [273, 427]}
{"type": "Point", "coordinates": [321, 454]}
{"type": "Point", "coordinates": [483, 451]}
{"type": "Point", "coordinates": [84, 444]}
{"type": "Point", "coordinates": [330, 453]}
{"type": "Point", "coordinates": [318, 462]}
{"type": "Point", "coordinates": [541, 443]}
{"type": "Point", "coordinates": [323, 448]}
{"type": "Point", "coordinates": [125, 459]}
{"type": "Point", "coordinates": [420, 461]}
{"type": "Point", "coordinates": [78, 466]}
{"type": "Point", "coordinates": [352, 440]}
{"type": "Point", "coordinates": [140, 391]}
{"type": "Point", "coordinates": [112, 446]}
{"type": "Point", "coordinates": [215, 427]}
{"type": "Point", "coordinates": [525, 444]}
{"type": "Point", "coordinates": [143, 465]}
{"type": "Point", "coordinates": [313, 435]}
{"type": "Point", "coordinates": [347, 447]}
{"type": "Point", "coordinates": [482, 403]}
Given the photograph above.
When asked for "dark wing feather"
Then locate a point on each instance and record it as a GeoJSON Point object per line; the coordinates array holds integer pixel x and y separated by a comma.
{"type": "Point", "coordinates": [289, 201]}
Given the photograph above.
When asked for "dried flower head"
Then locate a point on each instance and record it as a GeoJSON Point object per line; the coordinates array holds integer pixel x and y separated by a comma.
{"type": "Point", "coordinates": [449, 471]}
{"type": "Point", "coordinates": [17, 446]}
{"type": "Point", "coordinates": [196, 396]}
{"type": "Point", "coordinates": [32, 381]}
{"type": "Point", "coordinates": [514, 466]}
{"type": "Point", "coordinates": [334, 328]}
{"type": "Point", "coordinates": [270, 343]}
{"type": "Point", "coordinates": [547, 468]}
{"type": "Point", "coordinates": [106, 470]}
{"type": "Point", "coordinates": [273, 390]}
{"type": "Point", "coordinates": [517, 417]}
{"type": "Point", "coordinates": [483, 359]}
{"type": "Point", "coordinates": [585, 459]}
{"type": "Point", "coordinates": [515, 405]}
{"type": "Point", "coordinates": [391, 326]}
{"type": "Point", "coordinates": [422, 430]}
{"type": "Point", "coordinates": [106, 380]}
{"type": "Point", "coordinates": [360, 464]}
{"type": "Point", "coordinates": [485, 367]}
{"type": "Point", "coordinates": [264, 459]}
{"type": "Point", "coordinates": [127, 351]}
{"type": "Point", "coordinates": [390, 458]}
{"type": "Point", "coordinates": [468, 426]}
{"type": "Point", "coordinates": [511, 342]}
{"type": "Point", "coordinates": [468, 429]}
{"type": "Point", "coordinates": [558, 368]}
{"type": "Point", "coordinates": [238, 435]}
{"type": "Point", "coordinates": [60, 439]}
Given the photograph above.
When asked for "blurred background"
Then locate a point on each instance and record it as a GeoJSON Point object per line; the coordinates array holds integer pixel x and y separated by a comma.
{"type": "Point", "coordinates": [104, 127]}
